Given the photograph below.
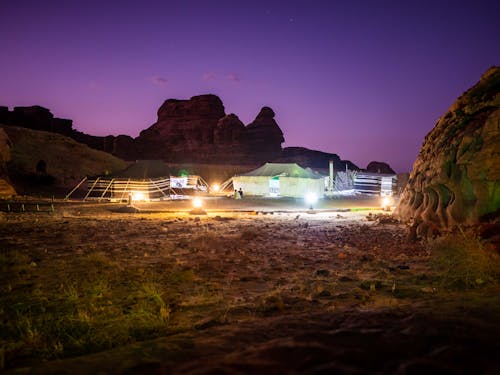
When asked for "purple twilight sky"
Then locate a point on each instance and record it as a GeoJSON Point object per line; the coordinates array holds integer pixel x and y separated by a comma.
{"type": "Point", "coordinates": [363, 79]}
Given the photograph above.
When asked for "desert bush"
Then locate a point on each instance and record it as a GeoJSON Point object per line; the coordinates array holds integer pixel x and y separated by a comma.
{"type": "Point", "coordinates": [463, 262]}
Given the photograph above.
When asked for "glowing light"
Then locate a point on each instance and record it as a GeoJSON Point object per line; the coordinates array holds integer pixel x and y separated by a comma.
{"type": "Point", "coordinates": [387, 202]}
{"type": "Point", "coordinates": [215, 188]}
{"type": "Point", "coordinates": [197, 203]}
{"type": "Point", "coordinates": [311, 198]}
{"type": "Point", "coordinates": [138, 196]}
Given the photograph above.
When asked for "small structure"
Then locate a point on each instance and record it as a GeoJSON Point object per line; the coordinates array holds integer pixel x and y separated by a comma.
{"type": "Point", "coordinates": [375, 184]}
{"type": "Point", "coordinates": [280, 180]}
{"type": "Point", "coordinates": [145, 180]}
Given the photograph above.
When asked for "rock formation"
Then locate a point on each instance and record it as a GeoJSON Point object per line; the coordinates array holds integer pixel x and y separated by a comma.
{"type": "Point", "coordinates": [42, 159]}
{"type": "Point", "coordinates": [314, 159]}
{"type": "Point", "coordinates": [379, 167]}
{"type": "Point", "coordinates": [264, 136]}
{"type": "Point", "coordinates": [456, 177]}
{"type": "Point", "coordinates": [37, 117]}
{"type": "Point", "coordinates": [6, 189]}
{"type": "Point", "coordinates": [196, 130]}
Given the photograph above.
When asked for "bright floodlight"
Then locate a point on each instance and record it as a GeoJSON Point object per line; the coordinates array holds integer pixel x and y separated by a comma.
{"type": "Point", "coordinates": [197, 203]}
{"type": "Point", "coordinates": [138, 196]}
{"type": "Point", "coordinates": [215, 188]}
{"type": "Point", "coordinates": [311, 198]}
{"type": "Point", "coordinates": [387, 202]}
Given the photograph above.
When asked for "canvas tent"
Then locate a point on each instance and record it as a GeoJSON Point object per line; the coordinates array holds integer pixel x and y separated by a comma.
{"type": "Point", "coordinates": [280, 180]}
{"type": "Point", "coordinates": [375, 183]}
{"type": "Point", "coordinates": [143, 180]}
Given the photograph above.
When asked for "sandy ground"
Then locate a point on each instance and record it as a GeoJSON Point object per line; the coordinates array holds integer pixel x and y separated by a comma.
{"type": "Point", "coordinates": [267, 287]}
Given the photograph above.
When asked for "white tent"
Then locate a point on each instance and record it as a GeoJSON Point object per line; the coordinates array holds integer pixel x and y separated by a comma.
{"type": "Point", "coordinates": [280, 180]}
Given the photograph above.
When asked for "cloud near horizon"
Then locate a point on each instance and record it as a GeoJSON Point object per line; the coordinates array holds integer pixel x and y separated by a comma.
{"type": "Point", "coordinates": [158, 81]}
{"type": "Point", "coordinates": [231, 77]}
{"type": "Point", "coordinates": [209, 76]}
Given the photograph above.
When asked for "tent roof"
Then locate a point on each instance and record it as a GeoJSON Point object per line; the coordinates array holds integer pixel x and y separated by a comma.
{"type": "Point", "coordinates": [142, 169]}
{"type": "Point", "coordinates": [283, 169]}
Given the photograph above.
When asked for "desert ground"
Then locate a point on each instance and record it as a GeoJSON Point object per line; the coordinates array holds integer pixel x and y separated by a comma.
{"type": "Point", "coordinates": [252, 286]}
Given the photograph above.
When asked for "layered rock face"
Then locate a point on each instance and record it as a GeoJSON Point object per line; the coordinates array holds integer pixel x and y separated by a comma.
{"type": "Point", "coordinates": [198, 130]}
{"type": "Point", "coordinates": [38, 118]}
{"type": "Point", "coordinates": [264, 136]}
{"type": "Point", "coordinates": [6, 189]}
{"type": "Point", "coordinates": [456, 177]}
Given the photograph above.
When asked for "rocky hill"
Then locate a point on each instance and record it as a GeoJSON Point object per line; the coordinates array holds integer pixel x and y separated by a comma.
{"type": "Point", "coordinates": [188, 131]}
{"type": "Point", "coordinates": [40, 158]}
{"type": "Point", "coordinates": [456, 177]}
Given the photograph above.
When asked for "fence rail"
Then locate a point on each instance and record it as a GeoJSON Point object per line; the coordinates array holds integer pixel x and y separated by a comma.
{"type": "Point", "coordinates": [26, 207]}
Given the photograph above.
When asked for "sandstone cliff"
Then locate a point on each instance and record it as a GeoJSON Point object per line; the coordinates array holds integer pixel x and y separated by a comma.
{"type": "Point", "coordinates": [198, 130]}
{"type": "Point", "coordinates": [195, 130]}
{"type": "Point", "coordinates": [456, 177]}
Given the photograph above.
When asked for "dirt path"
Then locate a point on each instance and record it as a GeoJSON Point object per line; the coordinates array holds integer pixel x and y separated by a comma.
{"type": "Point", "coordinates": [239, 292]}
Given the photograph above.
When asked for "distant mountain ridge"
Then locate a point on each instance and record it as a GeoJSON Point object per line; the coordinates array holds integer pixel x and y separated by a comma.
{"type": "Point", "coordinates": [196, 130]}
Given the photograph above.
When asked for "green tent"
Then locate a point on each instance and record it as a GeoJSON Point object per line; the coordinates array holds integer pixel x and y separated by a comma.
{"type": "Point", "coordinates": [280, 180]}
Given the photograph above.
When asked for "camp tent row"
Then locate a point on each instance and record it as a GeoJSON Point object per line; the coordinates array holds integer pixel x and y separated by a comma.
{"type": "Point", "coordinates": [151, 180]}
{"type": "Point", "coordinates": [143, 180]}
{"type": "Point", "coordinates": [375, 183]}
{"type": "Point", "coordinates": [280, 180]}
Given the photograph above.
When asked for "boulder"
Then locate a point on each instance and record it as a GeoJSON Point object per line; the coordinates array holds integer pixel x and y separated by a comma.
{"type": "Point", "coordinates": [379, 167]}
{"type": "Point", "coordinates": [6, 189]}
{"type": "Point", "coordinates": [456, 177]}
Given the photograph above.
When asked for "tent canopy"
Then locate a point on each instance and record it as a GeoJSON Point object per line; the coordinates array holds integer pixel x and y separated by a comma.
{"type": "Point", "coordinates": [280, 180]}
{"type": "Point", "coordinates": [144, 169]}
{"type": "Point", "coordinates": [283, 169]}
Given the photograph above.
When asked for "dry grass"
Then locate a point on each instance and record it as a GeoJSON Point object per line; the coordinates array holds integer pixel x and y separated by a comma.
{"type": "Point", "coordinates": [462, 262]}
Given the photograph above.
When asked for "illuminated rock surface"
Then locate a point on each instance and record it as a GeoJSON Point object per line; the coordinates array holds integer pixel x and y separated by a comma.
{"type": "Point", "coordinates": [456, 177]}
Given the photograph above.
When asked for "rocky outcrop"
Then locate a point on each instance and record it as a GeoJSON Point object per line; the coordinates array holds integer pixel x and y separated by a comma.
{"type": "Point", "coordinates": [264, 136]}
{"type": "Point", "coordinates": [35, 117]}
{"type": "Point", "coordinates": [41, 160]}
{"type": "Point", "coordinates": [456, 177]}
{"type": "Point", "coordinates": [184, 130]}
{"type": "Point", "coordinates": [198, 130]}
{"type": "Point", "coordinates": [379, 167]}
{"type": "Point", "coordinates": [314, 159]}
{"type": "Point", "coordinates": [6, 189]}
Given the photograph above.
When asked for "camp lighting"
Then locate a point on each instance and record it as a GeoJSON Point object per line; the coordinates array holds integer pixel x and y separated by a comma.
{"type": "Point", "coordinates": [311, 199]}
{"type": "Point", "coordinates": [138, 196]}
{"type": "Point", "coordinates": [197, 207]}
{"type": "Point", "coordinates": [386, 203]}
{"type": "Point", "coordinates": [215, 188]}
{"type": "Point", "coordinates": [197, 203]}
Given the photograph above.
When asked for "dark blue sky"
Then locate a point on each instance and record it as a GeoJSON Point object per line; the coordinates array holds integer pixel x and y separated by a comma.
{"type": "Point", "coordinates": [364, 79]}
